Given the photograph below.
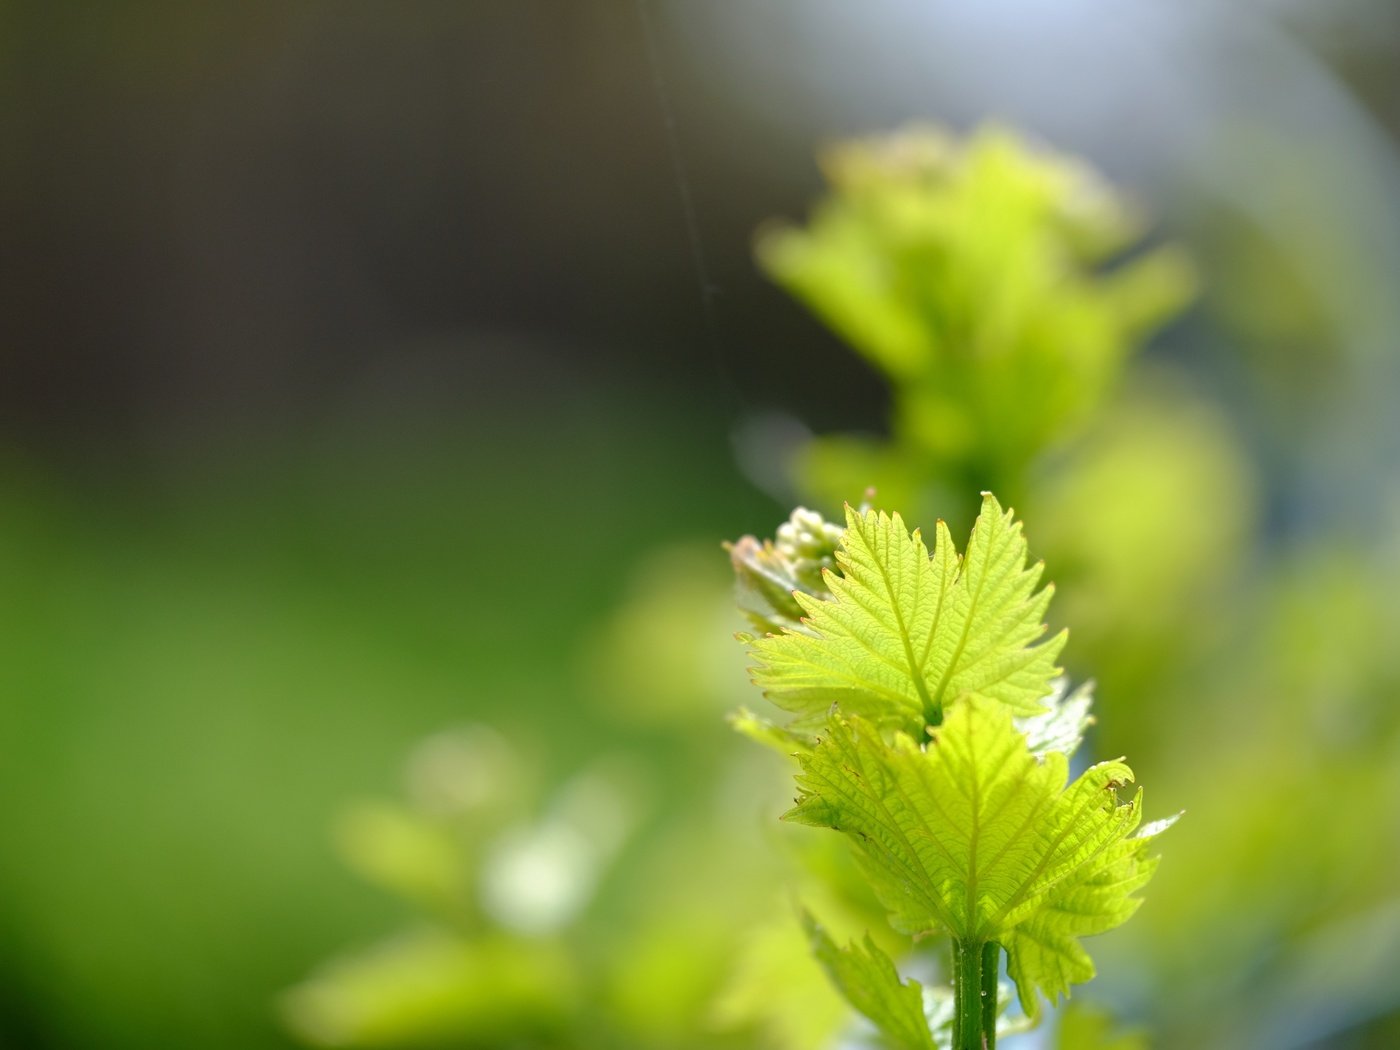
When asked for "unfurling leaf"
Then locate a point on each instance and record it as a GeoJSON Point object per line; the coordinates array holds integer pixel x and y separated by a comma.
{"type": "Point", "coordinates": [904, 635]}
{"type": "Point", "coordinates": [772, 572]}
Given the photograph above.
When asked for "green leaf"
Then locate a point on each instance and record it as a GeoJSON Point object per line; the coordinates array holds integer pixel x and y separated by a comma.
{"type": "Point", "coordinates": [905, 634]}
{"type": "Point", "coordinates": [870, 983]}
{"type": "Point", "coordinates": [976, 836]}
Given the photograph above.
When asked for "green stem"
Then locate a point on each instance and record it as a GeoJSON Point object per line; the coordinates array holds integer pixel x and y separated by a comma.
{"type": "Point", "coordinates": [975, 1012]}
{"type": "Point", "coordinates": [991, 964]}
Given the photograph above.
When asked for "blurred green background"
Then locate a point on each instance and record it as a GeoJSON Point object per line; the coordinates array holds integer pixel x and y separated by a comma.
{"type": "Point", "coordinates": [368, 433]}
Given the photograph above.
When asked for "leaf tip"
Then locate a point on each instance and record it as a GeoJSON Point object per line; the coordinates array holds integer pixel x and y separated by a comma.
{"type": "Point", "coordinates": [1154, 828]}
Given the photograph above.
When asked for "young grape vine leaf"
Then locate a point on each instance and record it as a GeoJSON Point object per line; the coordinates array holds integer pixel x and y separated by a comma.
{"type": "Point", "coordinates": [903, 634]}
{"type": "Point", "coordinates": [978, 837]}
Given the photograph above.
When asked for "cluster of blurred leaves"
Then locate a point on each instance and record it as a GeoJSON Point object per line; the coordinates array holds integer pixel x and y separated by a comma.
{"type": "Point", "coordinates": [972, 280]}
{"type": "Point", "coordinates": [644, 900]}
{"type": "Point", "coordinates": [1004, 293]}
{"type": "Point", "coordinates": [206, 659]}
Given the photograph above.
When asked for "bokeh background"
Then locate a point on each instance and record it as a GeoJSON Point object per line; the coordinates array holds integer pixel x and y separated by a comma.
{"type": "Point", "coordinates": [377, 383]}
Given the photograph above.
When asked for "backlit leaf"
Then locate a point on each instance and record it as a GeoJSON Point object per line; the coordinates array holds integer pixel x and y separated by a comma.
{"type": "Point", "coordinates": [976, 836]}
{"type": "Point", "coordinates": [904, 634]}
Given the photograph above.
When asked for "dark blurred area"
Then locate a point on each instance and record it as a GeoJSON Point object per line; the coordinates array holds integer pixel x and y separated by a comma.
{"type": "Point", "coordinates": [238, 218]}
{"type": "Point", "coordinates": [362, 365]}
